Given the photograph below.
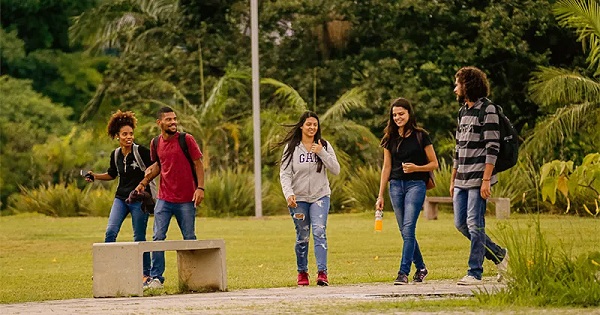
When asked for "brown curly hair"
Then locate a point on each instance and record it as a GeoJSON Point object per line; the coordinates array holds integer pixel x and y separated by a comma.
{"type": "Point", "coordinates": [474, 83]}
{"type": "Point", "coordinates": [118, 120]}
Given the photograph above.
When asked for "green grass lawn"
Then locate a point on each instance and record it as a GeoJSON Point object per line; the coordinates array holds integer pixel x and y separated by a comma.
{"type": "Point", "coordinates": [44, 258]}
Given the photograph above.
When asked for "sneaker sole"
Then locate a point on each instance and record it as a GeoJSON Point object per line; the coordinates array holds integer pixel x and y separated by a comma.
{"type": "Point", "coordinates": [400, 283]}
{"type": "Point", "coordinates": [469, 283]}
{"type": "Point", "coordinates": [419, 281]}
{"type": "Point", "coordinates": [323, 283]}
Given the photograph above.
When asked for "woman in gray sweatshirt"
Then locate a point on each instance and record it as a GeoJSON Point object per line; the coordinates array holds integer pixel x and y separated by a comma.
{"type": "Point", "coordinates": [303, 175]}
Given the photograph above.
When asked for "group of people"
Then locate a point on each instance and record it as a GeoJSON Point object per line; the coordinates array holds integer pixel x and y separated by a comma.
{"type": "Point", "coordinates": [408, 159]}
{"type": "Point", "coordinates": [177, 158]}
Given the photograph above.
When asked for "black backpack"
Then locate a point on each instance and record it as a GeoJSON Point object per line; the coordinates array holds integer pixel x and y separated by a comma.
{"type": "Point", "coordinates": [184, 148]}
{"type": "Point", "coordinates": [509, 138]}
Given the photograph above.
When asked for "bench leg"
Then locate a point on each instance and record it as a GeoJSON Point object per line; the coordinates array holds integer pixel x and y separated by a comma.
{"type": "Point", "coordinates": [503, 209]}
{"type": "Point", "coordinates": [117, 271]}
{"type": "Point", "coordinates": [431, 210]}
{"type": "Point", "coordinates": [202, 269]}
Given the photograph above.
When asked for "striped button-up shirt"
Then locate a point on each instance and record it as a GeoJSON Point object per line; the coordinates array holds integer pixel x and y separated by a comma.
{"type": "Point", "coordinates": [474, 150]}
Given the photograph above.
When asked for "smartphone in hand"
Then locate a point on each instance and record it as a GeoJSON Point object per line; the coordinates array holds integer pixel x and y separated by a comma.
{"type": "Point", "coordinates": [86, 175]}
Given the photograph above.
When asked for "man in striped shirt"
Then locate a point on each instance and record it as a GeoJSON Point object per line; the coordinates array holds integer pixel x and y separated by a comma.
{"type": "Point", "coordinates": [477, 147]}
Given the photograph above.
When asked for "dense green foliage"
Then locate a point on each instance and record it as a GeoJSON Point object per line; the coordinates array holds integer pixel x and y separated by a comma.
{"type": "Point", "coordinates": [342, 60]}
{"type": "Point", "coordinates": [28, 118]}
{"type": "Point", "coordinates": [35, 46]}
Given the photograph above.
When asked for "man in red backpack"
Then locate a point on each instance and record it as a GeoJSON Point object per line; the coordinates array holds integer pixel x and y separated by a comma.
{"type": "Point", "coordinates": [179, 163]}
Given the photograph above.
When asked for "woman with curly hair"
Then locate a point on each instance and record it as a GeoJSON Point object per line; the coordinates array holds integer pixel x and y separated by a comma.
{"type": "Point", "coordinates": [125, 165]}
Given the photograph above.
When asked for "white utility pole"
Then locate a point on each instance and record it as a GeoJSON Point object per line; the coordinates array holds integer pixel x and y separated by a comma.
{"type": "Point", "coordinates": [256, 109]}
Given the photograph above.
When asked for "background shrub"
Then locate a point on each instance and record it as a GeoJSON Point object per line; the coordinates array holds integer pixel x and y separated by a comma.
{"type": "Point", "coordinates": [229, 193]}
{"type": "Point", "coordinates": [63, 201]}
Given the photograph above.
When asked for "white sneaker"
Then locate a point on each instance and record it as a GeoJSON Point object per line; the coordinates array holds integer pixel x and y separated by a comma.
{"type": "Point", "coordinates": [155, 284]}
{"type": "Point", "coordinates": [502, 267]}
{"type": "Point", "coordinates": [469, 280]}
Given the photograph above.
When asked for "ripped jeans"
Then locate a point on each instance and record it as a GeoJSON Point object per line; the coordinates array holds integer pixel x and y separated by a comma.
{"type": "Point", "coordinates": [307, 215]}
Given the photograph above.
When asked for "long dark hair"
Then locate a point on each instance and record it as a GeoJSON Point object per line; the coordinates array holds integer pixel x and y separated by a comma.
{"type": "Point", "coordinates": [391, 133]}
{"type": "Point", "coordinates": [294, 137]}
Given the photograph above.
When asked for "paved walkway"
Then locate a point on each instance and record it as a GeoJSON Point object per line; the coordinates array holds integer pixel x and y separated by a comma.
{"type": "Point", "coordinates": [252, 301]}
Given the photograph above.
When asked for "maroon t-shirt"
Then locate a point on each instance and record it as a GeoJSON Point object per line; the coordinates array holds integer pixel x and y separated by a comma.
{"type": "Point", "coordinates": [176, 180]}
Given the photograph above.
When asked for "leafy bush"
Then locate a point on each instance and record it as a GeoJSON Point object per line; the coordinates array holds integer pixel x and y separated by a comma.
{"type": "Point", "coordinates": [362, 188]}
{"type": "Point", "coordinates": [229, 193]}
{"type": "Point", "coordinates": [62, 201]}
{"type": "Point", "coordinates": [580, 184]}
{"type": "Point", "coordinates": [273, 201]}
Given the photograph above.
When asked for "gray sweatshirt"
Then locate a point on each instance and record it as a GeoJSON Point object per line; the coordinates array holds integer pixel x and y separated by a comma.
{"type": "Point", "coordinates": [300, 177]}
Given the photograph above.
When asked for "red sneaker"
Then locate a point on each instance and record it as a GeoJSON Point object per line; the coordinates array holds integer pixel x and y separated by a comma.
{"type": "Point", "coordinates": [302, 278]}
{"type": "Point", "coordinates": [322, 279]}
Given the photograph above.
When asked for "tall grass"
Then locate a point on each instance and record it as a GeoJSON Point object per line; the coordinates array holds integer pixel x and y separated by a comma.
{"type": "Point", "coordinates": [542, 274]}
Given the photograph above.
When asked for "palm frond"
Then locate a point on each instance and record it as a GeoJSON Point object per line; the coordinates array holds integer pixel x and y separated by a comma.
{"type": "Point", "coordinates": [220, 91]}
{"type": "Point", "coordinates": [551, 85]}
{"type": "Point", "coordinates": [116, 23]}
{"type": "Point", "coordinates": [349, 126]}
{"type": "Point", "coordinates": [584, 17]}
{"type": "Point", "coordinates": [94, 104]}
{"type": "Point", "coordinates": [557, 127]}
{"type": "Point", "coordinates": [158, 9]}
{"type": "Point", "coordinates": [168, 87]}
{"type": "Point", "coordinates": [352, 99]}
{"type": "Point", "coordinates": [288, 94]}
{"type": "Point", "coordinates": [351, 134]}
{"type": "Point", "coordinates": [146, 39]}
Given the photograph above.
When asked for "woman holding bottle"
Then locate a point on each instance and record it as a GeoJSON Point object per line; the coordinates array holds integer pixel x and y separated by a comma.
{"type": "Point", "coordinates": [408, 157]}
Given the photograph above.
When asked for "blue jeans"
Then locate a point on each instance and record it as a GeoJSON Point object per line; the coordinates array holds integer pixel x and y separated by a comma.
{"type": "Point", "coordinates": [469, 219]}
{"type": "Point", "coordinates": [185, 214]}
{"type": "Point", "coordinates": [139, 220]}
{"type": "Point", "coordinates": [304, 216]}
{"type": "Point", "coordinates": [407, 197]}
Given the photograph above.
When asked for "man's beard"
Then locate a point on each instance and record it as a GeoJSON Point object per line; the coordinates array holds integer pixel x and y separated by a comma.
{"type": "Point", "coordinates": [168, 131]}
{"type": "Point", "coordinates": [461, 99]}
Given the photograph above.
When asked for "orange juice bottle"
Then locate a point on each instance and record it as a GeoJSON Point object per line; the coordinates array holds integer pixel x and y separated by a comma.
{"type": "Point", "coordinates": [378, 220]}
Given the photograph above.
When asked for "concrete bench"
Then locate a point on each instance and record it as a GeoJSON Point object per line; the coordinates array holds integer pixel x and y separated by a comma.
{"type": "Point", "coordinates": [118, 267]}
{"type": "Point", "coordinates": [430, 207]}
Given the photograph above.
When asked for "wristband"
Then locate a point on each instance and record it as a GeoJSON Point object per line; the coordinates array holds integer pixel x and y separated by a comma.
{"type": "Point", "coordinates": [201, 188]}
{"type": "Point", "coordinates": [486, 180]}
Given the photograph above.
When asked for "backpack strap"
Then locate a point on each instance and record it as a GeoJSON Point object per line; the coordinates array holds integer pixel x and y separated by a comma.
{"type": "Point", "coordinates": [152, 189]}
{"type": "Point", "coordinates": [186, 152]}
{"type": "Point", "coordinates": [116, 156]}
{"type": "Point", "coordinates": [138, 157]}
{"type": "Point", "coordinates": [482, 113]}
{"type": "Point", "coordinates": [154, 144]}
